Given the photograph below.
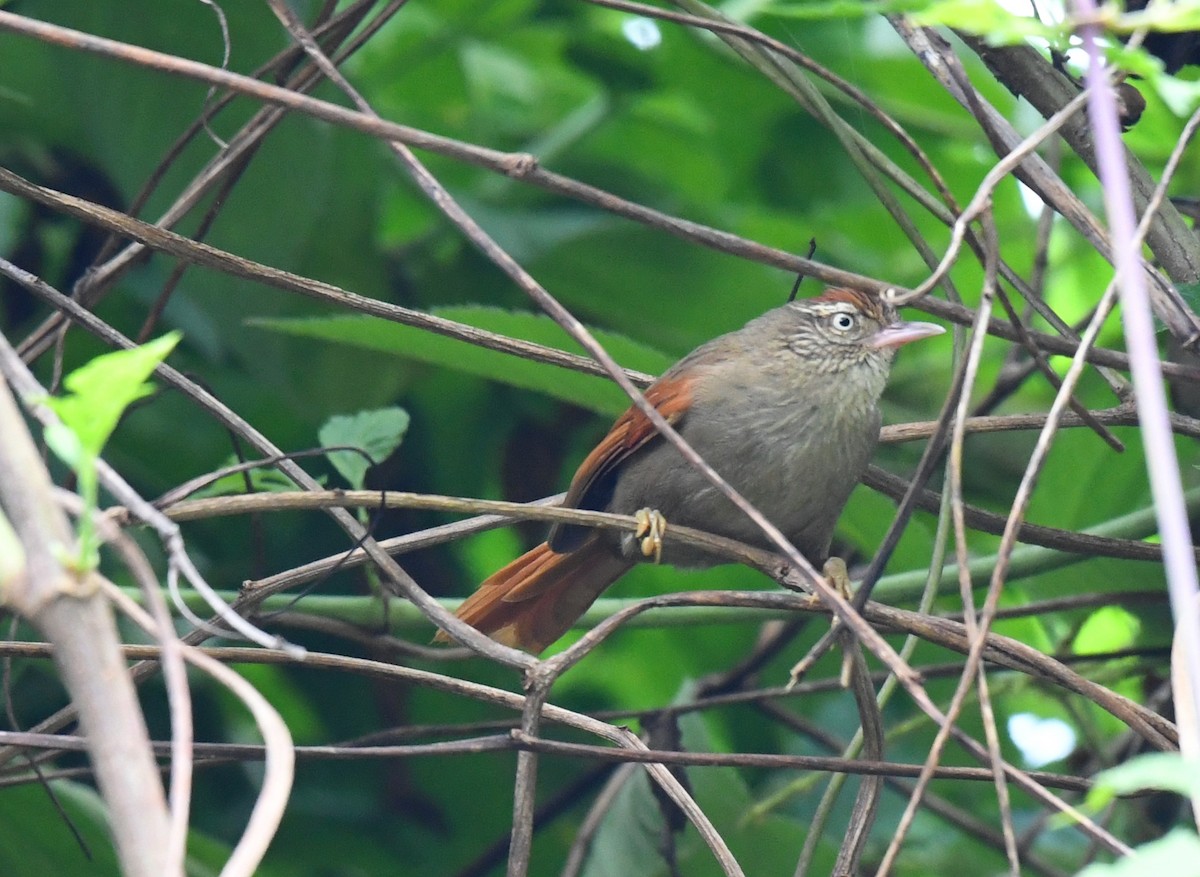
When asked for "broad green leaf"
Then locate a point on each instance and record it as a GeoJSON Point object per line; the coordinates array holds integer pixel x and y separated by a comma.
{"type": "Point", "coordinates": [1168, 771]}
{"type": "Point", "coordinates": [377, 433]}
{"type": "Point", "coordinates": [394, 339]}
{"type": "Point", "coordinates": [986, 18]}
{"type": "Point", "coordinates": [1177, 854]}
{"type": "Point", "coordinates": [65, 443]}
{"type": "Point", "coordinates": [842, 9]}
{"type": "Point", "coordinates": [269, 480]}
{"type": "Point", "coordinates": [1108, 629]}
{"type": "Point", "coordinates": [629, 839]}
{"type": "Point", "coordinates": [1180, 95]}
{"type": "Point", "coordinates": [1176, 17]}
{"type": "Point", "coordinates": [101, 390]}
{"type": "Point", "coordinates": [627, 842]}
{"type": "Point", "coordinates": [1137, 61]}
{"type": "Point", "coordinates": [1191, 294]}
{"type": "Point", "coordinates": [45, 843]}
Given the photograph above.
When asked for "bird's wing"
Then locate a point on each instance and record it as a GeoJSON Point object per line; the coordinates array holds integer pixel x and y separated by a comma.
{"type": "Point", "coordinates": [594, 481]}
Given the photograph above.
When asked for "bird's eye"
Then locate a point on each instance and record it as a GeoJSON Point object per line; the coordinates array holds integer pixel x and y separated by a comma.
{"type": "Point", "coordinates": [842, 322]}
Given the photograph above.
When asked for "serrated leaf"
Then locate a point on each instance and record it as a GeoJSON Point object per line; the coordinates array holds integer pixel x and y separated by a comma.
{"type": "Point", "coordinates": [101, 390]}
{"type": "Point", "coordinates": [592, 392]}
{"type": "Point", "coordinates": [377, 433]}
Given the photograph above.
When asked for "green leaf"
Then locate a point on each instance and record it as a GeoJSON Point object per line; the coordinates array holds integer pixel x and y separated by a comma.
{"type": "Point", "coordinates": [629, 840]}
{"type": "Point", "coordinates": [986, 18]}
{"type": "Point", "coordinates": [1181, 96]}
{"type": "Point", "coordinates": [37, 841]}
{"type": "Point", "coordinates": [1177, 17]}
{"type": "Point", "coordinates": [377, 433]}
{"type": "Point", "coordinates": [65, 443]}
{"type": "Point", "coordinates": [1177, 854]}
{"type": "Point", "coordinates": [269, 480]}
{"type": "Point", "coordinates": [101, 390]}
{"type": "Point", "coordinates": [842, 9]}
{"type": "Point", "coordinates": [98, 394]}
{"type": "Point", "coordinates": [394, 339]}
{"type": "Point", "coordinates": [1168, 771]}
{"type": "Point", "coordinates": [1190, 292]}
{"type": "Point", "coordinates": [1108, 629]}
{"type": "Point", "coordinates": [1137, 61]}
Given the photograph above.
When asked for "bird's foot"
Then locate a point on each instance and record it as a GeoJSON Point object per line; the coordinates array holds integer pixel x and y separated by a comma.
{"type": "Point", "coordinates": [651, 527]}
{"type": "Point", "coordinates": [839, 579]}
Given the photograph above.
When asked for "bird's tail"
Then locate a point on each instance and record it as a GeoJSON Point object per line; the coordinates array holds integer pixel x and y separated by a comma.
{"type": "Point", "coordinates": [535, 599]}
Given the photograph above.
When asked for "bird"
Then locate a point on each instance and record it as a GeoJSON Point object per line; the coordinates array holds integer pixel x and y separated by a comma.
{"type": "Point", "coordinates": [786, 409]}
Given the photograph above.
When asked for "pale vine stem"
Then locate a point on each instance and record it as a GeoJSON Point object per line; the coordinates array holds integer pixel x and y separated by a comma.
{"type": "Point", "coordinates": [63, 602]}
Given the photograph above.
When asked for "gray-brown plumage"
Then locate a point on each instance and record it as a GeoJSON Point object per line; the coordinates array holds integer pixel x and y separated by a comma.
{"type": "Point", "coordinates": [786, 409]}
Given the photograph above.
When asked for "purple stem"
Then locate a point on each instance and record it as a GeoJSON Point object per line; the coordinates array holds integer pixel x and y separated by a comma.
{"type": "Point", "coordinates": [1165, 481]}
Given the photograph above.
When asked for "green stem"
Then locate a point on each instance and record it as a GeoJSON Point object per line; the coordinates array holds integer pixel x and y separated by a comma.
{"type": "Point", "coordinates": [895, 589]}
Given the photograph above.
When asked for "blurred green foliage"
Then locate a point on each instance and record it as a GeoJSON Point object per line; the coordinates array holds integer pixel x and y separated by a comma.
{"type": "Point", "coordinates": [682, 126]}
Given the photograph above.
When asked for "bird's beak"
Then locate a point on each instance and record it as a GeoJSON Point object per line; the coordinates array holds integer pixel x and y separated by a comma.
{"type": "Point", "coordinates": [902, 333]}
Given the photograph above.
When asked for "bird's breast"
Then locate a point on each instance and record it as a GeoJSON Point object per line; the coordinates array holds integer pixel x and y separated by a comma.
{"type": "Point", "coordinates": [794, 459]}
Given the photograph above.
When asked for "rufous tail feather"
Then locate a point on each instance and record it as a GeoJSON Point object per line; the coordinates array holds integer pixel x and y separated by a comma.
{"type": "Point", "coordinates": [535, 599]}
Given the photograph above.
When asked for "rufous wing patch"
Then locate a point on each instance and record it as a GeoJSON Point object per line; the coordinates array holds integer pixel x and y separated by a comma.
{"type": "Point", "coordinates": [671, 396]}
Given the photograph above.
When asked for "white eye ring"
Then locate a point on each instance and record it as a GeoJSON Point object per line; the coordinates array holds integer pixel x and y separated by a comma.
{"type": "Point", "coordinates": [842, 322]}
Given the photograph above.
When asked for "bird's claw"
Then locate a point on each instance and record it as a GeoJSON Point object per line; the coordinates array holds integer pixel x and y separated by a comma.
{"type": "Point", "coordinates": [838, 577]}
{"type": "Point", "coordinates": [651, 527]}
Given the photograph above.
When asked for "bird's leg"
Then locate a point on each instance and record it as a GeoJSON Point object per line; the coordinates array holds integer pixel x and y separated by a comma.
{"type": "Point", "coordinates": [839, 579]}
{"type": "Point", "coordinates": [651, 527]}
